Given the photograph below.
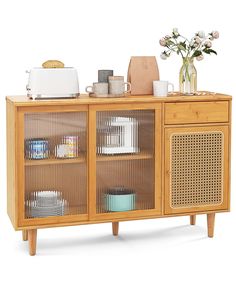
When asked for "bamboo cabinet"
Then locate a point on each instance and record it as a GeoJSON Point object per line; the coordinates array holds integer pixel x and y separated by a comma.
{"type": "Point", "coordinates": [90, 160]}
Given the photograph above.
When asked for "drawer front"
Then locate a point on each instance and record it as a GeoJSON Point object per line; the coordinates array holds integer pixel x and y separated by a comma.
{"type": "Point", "coordinates": [196, 112]}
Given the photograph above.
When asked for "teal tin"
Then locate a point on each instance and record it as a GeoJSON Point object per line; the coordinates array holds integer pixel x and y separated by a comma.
{"type": "Point", "coordinates": [118, 199]}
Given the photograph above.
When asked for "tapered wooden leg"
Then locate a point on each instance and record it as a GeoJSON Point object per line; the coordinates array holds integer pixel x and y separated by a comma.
{"type": "Point", "coordinates": [32, 235]}
{"type": "Point", "coordinates": [192, 219]}
{"type": "Point", "coordinates": [115, 228]}
{"type": "Point", "coordinates": [210, 224]}
{"type": "Point", "coordinates": [24, 235]}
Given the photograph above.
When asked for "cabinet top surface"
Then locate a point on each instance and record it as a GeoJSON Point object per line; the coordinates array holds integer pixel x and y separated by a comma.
{"type": "Point", "coordinates": [85, 99]}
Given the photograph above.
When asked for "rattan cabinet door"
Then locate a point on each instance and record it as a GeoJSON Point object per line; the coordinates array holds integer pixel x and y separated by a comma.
{"type": "Point", "coordinates": [196, 169]}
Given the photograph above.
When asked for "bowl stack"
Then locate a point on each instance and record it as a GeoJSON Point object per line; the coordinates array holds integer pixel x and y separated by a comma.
{"type": "Point", "coordinates": [45, 203]}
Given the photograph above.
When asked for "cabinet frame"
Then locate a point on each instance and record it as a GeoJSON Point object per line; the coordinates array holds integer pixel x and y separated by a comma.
{"type": "Point", "coordinates": [167, 121]}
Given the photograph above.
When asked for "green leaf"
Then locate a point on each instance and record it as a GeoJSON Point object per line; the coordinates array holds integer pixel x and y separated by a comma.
{"type": "Point", "coordinates": [197, 53]}
{"type": "Point", "coordinates": [181, 47]}
{"type": "Point", "coordinates": [209, 51]}
{"type": "Point", "coordinates": [205, 50]}
{"type": "Point", "coordinates": [170, 42]}
{"type": "Point", "coordinates": [212, 51]}
{"type": "Point", "coordinates": [183, 44]}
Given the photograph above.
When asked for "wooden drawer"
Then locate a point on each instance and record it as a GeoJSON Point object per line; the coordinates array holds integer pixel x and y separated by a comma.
{"type": "Point", "coordinates": [196, 112]}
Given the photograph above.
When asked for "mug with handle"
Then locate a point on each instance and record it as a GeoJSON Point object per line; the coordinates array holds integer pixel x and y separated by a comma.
{"type": "Point", "coordinates": [117, 85]}
{"type": "Point", "coordinates": [160, 88]}
{"type": "Point", "coordinates": [98, 88]}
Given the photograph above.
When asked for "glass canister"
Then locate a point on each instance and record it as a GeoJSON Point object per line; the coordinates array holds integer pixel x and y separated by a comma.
{"type": "Point", "coordinates": [36, 148]}
{"type": "Point", "coordinates": [68, 148]}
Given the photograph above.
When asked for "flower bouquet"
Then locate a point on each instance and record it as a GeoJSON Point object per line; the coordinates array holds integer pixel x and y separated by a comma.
{"type": "Point", "coordinates": [199, 45]}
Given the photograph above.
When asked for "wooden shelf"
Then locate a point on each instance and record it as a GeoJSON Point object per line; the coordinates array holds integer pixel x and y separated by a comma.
{"type": "Point", "coordinates": [55, 161]}
{"type": "Point", "coordinates": [82, 159]}
{"type": "Point", "coordinates": [134, 156]}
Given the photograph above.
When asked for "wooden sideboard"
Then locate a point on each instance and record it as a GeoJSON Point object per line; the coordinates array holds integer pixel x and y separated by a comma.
{"type": "Point", "coordinates": [116, 159]}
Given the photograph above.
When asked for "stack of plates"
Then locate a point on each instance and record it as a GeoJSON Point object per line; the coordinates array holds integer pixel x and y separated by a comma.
{"type": "Point", "coordinates": [45, 203]}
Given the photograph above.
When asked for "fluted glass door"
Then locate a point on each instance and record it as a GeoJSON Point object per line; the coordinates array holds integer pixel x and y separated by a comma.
{"type": "Point", "coordinates": [55, 159]}
{"type": "Point", "coordinates": [125, 149]}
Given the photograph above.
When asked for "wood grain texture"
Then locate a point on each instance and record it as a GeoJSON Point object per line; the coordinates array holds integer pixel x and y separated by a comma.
{"type": "Point", "coordinates": [115, 228]}
{"type": "Point", "coordinates": [201, 112]}
{"type": "Point", "coordinates": [210, 224]}
{"type": "Point", "coordinates": [24, 235]}
{"type": "Point", "coordinates": [84, 99]}
{"type": "Point", "coordinates": [158, 158]}
{"type": "Point", "coordinates": [32, 236]}
{"type": "Point", "coordinates": [17, 106]}
{"type": "Point", "coordinates": [229, 153]}
{"type": "Point", "coordinates": [58, 222]}
{"type": "Point", "coordinates": [11, 163]}
{"type": "Point", "coordinates": [192, 219]}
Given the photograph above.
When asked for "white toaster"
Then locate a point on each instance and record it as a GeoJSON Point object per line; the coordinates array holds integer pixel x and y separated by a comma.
{"type": "Point", "coordinates": [52, 83]}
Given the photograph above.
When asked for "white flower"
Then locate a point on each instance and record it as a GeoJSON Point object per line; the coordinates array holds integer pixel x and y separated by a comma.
{"type": "Point", "coordinates": [208, 44]}
{"type": "Point", "coordinates": [201, 34]}
{"type": "Point", "coordinates": [192, 42]}
{"type": "Point", "coordinates": [175, 32]}
{"type": "Point", "coordinates": [200, 57]}
{"type": "Point", "coordinates": [162, 42]}
{"type": "Point", "coordinates": [215, 34]}
{"type": "Point", "coordinates": [167, 37]}
{"type": "Point", "coordinates": [163, 56]}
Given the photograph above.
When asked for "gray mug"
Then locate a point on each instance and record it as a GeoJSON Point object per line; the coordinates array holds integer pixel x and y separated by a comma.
{"type": "Point", "coordinates": [103, 75]}
{"type": "Point", "coordinates": [98, 88]}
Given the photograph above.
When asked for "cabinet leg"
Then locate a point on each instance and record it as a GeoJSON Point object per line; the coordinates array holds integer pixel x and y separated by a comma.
{"type": "Point", "coordinates": [24, 235]}
{"type": "Point", "coordinates": [210, 224]}
{"type": "Point", "coordinates": [192, 219]}
{"type": "Point", "coordinates": [32, 234]}
{"type": "Point", "coordinates": [115, 228]}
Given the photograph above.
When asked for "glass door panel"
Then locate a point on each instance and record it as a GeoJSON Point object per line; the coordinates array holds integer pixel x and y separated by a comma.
{"type": "Point", "coordinates": [55, 152]}
{"type": "Point", "coordinates": [125, 160]}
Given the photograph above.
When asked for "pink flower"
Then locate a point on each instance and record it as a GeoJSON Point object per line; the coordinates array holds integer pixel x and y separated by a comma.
{"type": "Point", "coordinates": [208, 44]}
{"type": "Point", "coordinates": [215, 34]}
{"type": "Point", "coordinates": [162, 42]}
{"type": "Point", "coordinates": [200, 57]}
{"type": "Point", "coordinates": [197, 40]}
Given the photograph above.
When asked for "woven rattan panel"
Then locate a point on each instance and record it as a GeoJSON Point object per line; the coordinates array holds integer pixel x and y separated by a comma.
{"type": "Point", "coordinates": [196, 169]}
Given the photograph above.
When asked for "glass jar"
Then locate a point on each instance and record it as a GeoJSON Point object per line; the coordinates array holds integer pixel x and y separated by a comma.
{"type": "Point", "coordinates": [188, 77]}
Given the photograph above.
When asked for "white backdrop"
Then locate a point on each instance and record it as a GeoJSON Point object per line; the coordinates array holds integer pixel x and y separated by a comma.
{"type": "Point", "coordinates": [91, 35]}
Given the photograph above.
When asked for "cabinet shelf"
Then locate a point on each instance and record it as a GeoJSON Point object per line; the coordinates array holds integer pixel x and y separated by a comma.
{"type": "Point", "coordinates": [55, 161]}
{"type": "Point", "coordinates": [136, 156]}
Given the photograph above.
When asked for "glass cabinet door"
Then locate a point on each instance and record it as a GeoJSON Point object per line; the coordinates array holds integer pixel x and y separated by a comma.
{"type": "Point", "coordinates": [125, 162]}
{"type": "Point", "coordinates": [55, 159]}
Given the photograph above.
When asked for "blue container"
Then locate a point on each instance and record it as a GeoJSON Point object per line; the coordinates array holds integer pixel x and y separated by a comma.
{"type": "Point", "coordinates": [119, 199]}
{"type": "Point", "coordinates": [36, 149]}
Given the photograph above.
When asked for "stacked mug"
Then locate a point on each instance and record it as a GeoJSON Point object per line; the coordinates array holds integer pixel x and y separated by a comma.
{"type": "Point", "coordinates": [108, 85]}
